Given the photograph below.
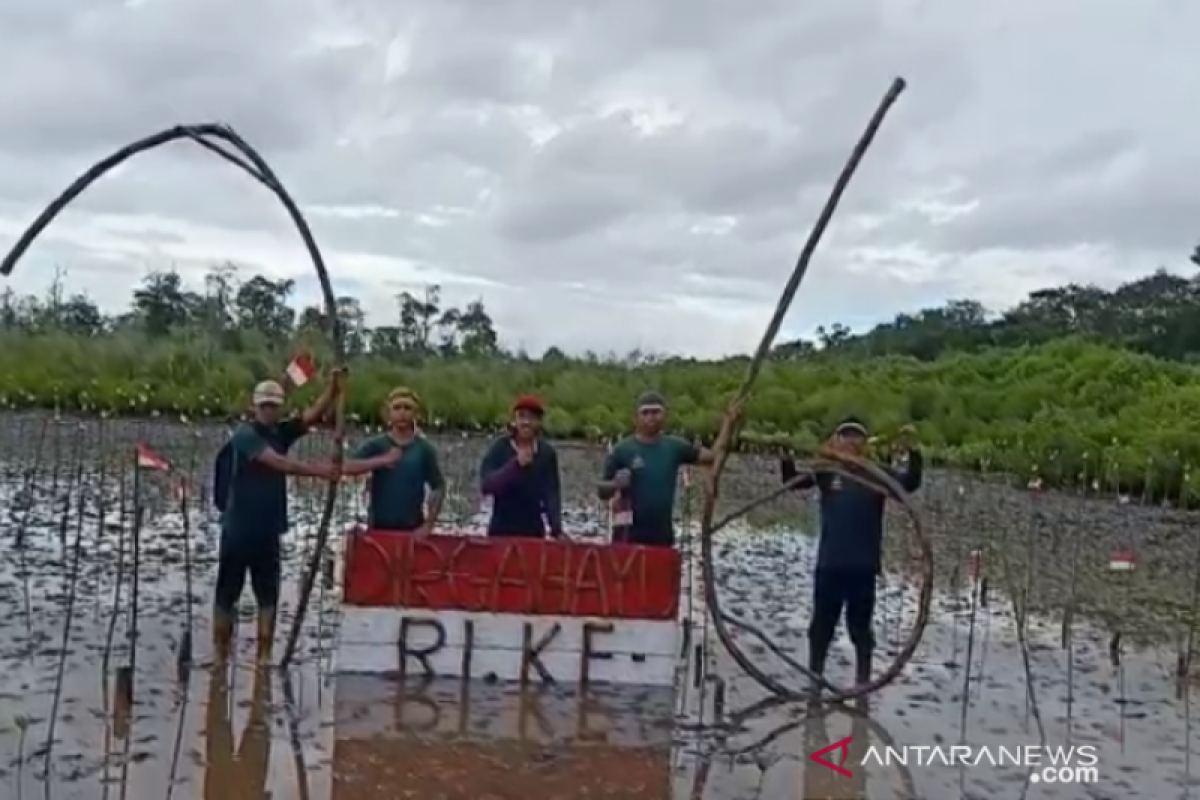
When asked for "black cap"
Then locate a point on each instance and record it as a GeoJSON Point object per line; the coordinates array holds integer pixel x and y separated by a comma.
{"type": "Point", "coordinates": [651, 399]}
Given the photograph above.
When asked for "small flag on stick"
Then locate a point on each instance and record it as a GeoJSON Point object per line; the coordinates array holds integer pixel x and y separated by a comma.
{"type": "Point", "coordinates": [301, 370]}
{"type": "Point", "coordinates": [975, 564]}
{"type": "Point", "coordinates": [148, 459]}
{"type": "Point", "coordinates": [1121, 561]}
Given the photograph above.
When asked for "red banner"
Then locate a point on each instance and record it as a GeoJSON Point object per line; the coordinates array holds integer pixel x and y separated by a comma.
{"type": "Point", "coordinates": [513, 576]}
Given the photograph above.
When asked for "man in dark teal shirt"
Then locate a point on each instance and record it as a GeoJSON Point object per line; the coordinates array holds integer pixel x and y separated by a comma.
{"type": "Point", "coordinates": [254, 509]}
{"type": "Point", "coordinates": [396, 497]}
{"type": "Point", "coordinates": [520, 473]}
{"type": "Point", "coordinates": [644, 468]}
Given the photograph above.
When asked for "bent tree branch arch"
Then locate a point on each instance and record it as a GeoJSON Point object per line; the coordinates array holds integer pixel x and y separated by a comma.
{"type": "Point", "coordinates": [852, 468]}
{"type": "Point", "coordinates": [208, 136]}
{"type": "Point", "coordinates": [217, 139]}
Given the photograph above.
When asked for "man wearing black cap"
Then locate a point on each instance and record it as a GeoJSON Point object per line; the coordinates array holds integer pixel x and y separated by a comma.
{"type": "Point", "coordinates": [644, 469]}
{"type": "Point", "coordinates": [850, 552]}
{"type": "Point", "coordinates": [520, 473]}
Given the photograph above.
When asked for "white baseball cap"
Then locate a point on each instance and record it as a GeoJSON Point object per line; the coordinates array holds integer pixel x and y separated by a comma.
{"type": "Point", "coordinates": [268, 393]}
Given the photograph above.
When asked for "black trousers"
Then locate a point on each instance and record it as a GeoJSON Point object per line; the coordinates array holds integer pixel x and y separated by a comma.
{"type": "Point", "coordinates": [835, 591]}
{"type": "Point", "coordinates": [258, 556]}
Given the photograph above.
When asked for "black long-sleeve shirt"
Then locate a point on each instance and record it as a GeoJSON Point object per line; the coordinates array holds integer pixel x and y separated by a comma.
{"type": "Point", "coordinates": [852, 514]}
{"type": "Point", "coordinates": [526, 500]}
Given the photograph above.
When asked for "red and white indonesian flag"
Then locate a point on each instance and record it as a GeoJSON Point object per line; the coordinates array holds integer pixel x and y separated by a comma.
{"type": "Point", "coordinates": [1121, 561]}
{"type": "Point", "coordinates": [975, 564]}
{"type": "Point", "coordinates": [531, 609]}
{"type": "Point", "coordinates": [301, 370]}
{"type": "Point", "coordinates": [148, 459]}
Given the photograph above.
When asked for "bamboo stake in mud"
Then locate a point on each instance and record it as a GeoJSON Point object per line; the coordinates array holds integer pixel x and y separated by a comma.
{"type": "Point", "coordinates": [22, 531]}
{"type": "Point", "coordinates": [1019, 603]}
{"type": "Point", "coordinates": [30, 475]}
{"type": "Point", "coordinates": [1027, 591]}
{"type": "Point", "coordinates": [1184, 669]}
{"type": "Point", "coordinates": [988, 558]}
{"type": "Point", "coordinates": [956, 586]}
{"type": "Point", "coordinates": [118, 582]}
{"type": "Point", "coordinates": [293, 725]}
{"type": "Point", "coordinates": [184, 658]}
{"type": "Point", "coordinates": [1068, 623]}
{"type": "Point", "coordinates": [314, 562]}
{"type": "Point", "coordinates": [74, 559]}
{"type": "Point", "coordinates": [135, 545]}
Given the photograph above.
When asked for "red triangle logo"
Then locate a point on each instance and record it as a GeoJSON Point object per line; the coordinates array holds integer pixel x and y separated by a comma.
{"type": "Point", "coordinates": [844, 747]}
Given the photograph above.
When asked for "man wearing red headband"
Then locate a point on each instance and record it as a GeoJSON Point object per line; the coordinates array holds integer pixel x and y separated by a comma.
{"type": "Point", "coordinates": [520, 473]}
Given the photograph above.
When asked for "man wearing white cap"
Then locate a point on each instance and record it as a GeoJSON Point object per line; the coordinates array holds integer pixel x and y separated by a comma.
{"type": "Point", "coordinates": [251, 492]}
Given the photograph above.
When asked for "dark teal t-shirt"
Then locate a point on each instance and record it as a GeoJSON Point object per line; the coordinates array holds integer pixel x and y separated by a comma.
{"type": "Point", "coordinates": [655, 474]}
{"type": "Point", "coordinates": [257, 503]}
{"type": "Point", "coordinates": [397, 499]}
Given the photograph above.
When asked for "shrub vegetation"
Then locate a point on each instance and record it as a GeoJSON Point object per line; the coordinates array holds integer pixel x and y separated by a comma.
{"type": "Point", "coordinates": [1064, 399]}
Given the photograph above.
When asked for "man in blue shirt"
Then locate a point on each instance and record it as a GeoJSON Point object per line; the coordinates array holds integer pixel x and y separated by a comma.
{"type": "Point", "coordinates": [850, 551]}
{"type": "Point", "coordinates": [252, 495]}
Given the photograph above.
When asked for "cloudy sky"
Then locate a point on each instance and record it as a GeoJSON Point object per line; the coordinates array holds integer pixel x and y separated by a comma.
{"type": "Point", "coordinates": [615, 174]}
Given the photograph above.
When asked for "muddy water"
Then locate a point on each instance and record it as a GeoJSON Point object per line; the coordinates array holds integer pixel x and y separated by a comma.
{"type": "Point", "coordinates": [966, 686]}
{"type": "Point", "coordinates": [74, 724]}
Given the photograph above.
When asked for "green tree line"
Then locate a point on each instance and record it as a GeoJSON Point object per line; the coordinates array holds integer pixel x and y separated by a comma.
{"type": "Point", "coordinates": [1158, 314]}
{"type": "Point", "coordinates": [1071, 408]}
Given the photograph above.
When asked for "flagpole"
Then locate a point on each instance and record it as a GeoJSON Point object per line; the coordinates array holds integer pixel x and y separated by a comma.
{"type": "Point", "coordinates": [136, 567]}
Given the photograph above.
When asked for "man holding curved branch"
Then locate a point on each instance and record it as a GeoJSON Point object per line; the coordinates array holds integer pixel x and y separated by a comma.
{"type": "Point", "coordinates": [397, 496]}
{"type": "Point", "coordinates": [644, 470]}
{"type": "Point", "coordinates": [850, 551]}
{"type": "Point", "coordinates": [520, 473]}
{"type": "Point", "coordinates": [251, 493]}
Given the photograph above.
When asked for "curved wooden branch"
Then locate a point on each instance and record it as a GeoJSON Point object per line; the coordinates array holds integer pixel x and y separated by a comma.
{"type": "Point", "coordinates": [249, 161]}
{"type": "Point", "coordinates": [852, 468]}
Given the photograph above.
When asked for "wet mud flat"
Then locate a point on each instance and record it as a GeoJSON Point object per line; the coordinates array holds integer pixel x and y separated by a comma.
{"type": "Point", "coordinates": [97, 698]}
{"type": "Point", "coordinates": [68, 730]}
{"type": "Point", "coordinates": [973, 681]}
{"type": "Point", "coordinates": [319, 735]}
{"type": "Point", "coordinates": [1052, 548]}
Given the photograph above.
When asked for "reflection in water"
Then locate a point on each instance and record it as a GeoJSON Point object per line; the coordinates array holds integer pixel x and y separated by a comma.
{"type": "Point", "coordinates": [452, 740]}
{"type": "Point", "coordinates": [118, 730]}
{"type": "Point", "coordinates": [237, 771]}
{"type": "Point", "coordinates": [967, 685]}
{"type": "Point", "coordinates": [781, 753]}
{"type": "Point", "coordinates": [823, 782]}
